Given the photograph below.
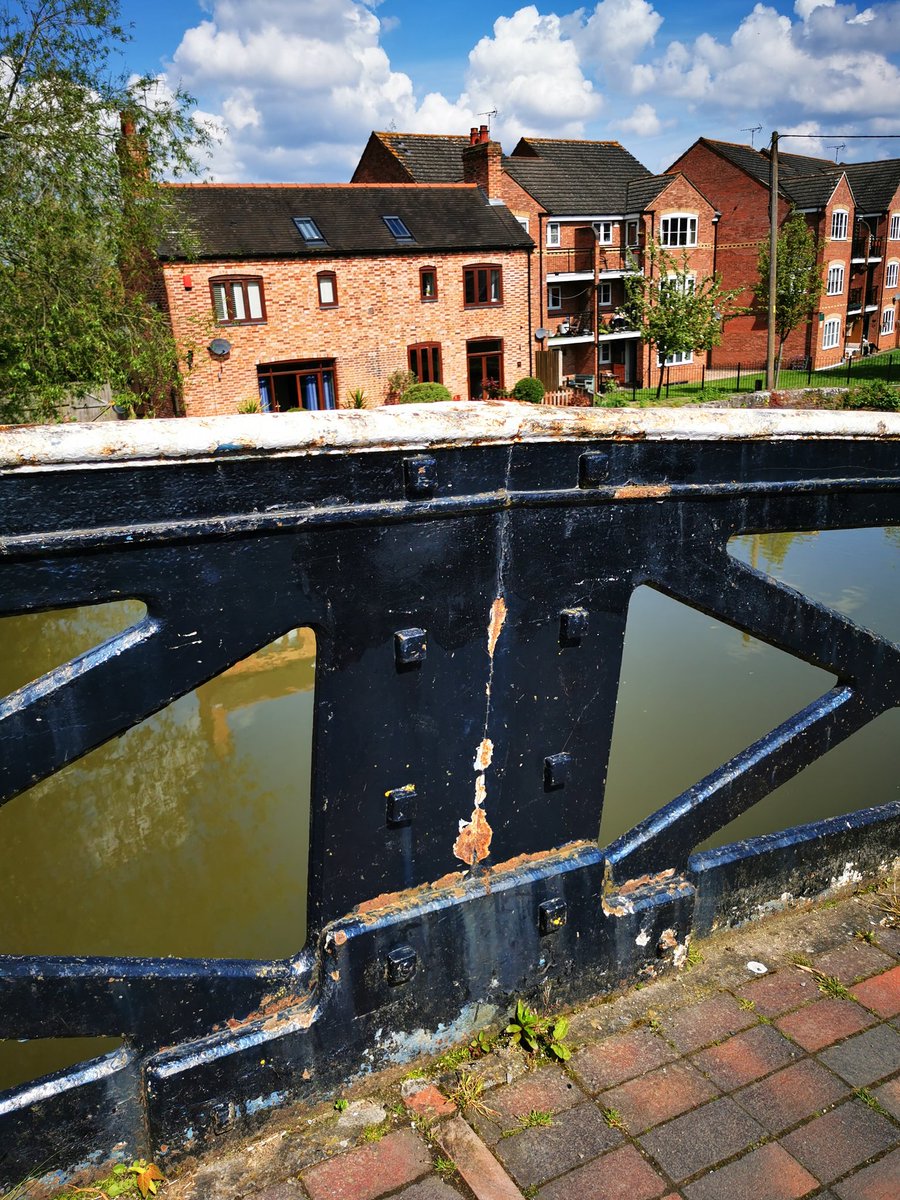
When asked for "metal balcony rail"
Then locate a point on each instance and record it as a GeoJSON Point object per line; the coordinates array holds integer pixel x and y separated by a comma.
{"type": "Point", "coordinates": [867, 247]}
{"type": "Point", "coordinates": [467, 569]}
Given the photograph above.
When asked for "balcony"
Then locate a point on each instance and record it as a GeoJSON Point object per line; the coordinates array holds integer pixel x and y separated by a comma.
{"type": "Point", "coordinates": [578, 263]}
{"type": "Point", "coordinates": [867, 249]}
{"type": "Point", "coordinates": [854, 300]}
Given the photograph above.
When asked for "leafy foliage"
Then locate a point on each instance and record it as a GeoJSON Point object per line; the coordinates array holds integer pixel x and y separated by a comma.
{"type": "Point", "coordinates": [535, 1033]}
{"type": "Point", "coordinates": [141, 1177]}
{"type": "Point", "coordinates": [424, 393]}
{"type": "Point", "coordinates": [675, 311]}
{"type": "Point", "coordinates": [877, 394]}
{"type": "Point", "coordinates": [798, 283]}
{"type": "Point", "coordinates": [529, 390]}
{"type": "Point", "coordinates": [81, 212]}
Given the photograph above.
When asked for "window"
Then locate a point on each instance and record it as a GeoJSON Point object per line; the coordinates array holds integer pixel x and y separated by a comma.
{"type": "Point", "coordinates": [238, 301]}
{"type": "Point", "coordinates": [839, 225]}
{"type": "Point", "coordinates": [677, 283]}
{"type": "Point", "coordinates": [554, 296]}
{"type": "Point", "coordinates": [604, 294]}
{"type": "Point", "coordinates": [425, 362]}
{"type": "Point", "coordinates": [890, 275]}
{"type": "Point", "coordinates": [835, 279]}
{"type": "Point", "coordinates": [523, 221]}
{"type": "Point", "coordinates": [677, 359]}
{"type": "Point", "coordinates": [894, 235]}
{"type": "Point", "coordinates": [553, 233]}
{"type": "Point", "coordinates": [327, 281]}
{"type": "Point", "coordinates": [485, 367]}
{"type": "Point", "coordinates": [604, 232]}
{"type": "Point", "coordinates": [632, 237]}
{"type": "Point", "coordinates": [605, 349]}
{"type": "Point", "coordinates": [482, 286]}
{"type": "Point", "coordinates": [308, 384]}
{"type": "Point", "coordinates": [831, 333]}
{"type": "Point", "coordinates": [309, 231]}
{"type": "Point", "coordinates": [678, 231]}
{"type": "Point", "coordinates": [398, 229]}
{"type": "Point", "coordinates": [428, 283]}
{"type": "Point", "coordinates": [887, 320]}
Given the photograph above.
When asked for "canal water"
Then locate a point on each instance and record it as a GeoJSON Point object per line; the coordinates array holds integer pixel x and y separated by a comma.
{"type": "Point", "coordinates": [188, 835]}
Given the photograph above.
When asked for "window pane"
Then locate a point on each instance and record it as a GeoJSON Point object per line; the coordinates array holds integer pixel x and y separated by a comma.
{"type": "Point", "coordinates": [237, 299]}
{"type": "Point", "coordinates": [326, 289]}
{"type": "Point", "coordinates": [482, 287]}
{"type": "Point", "coordinates": [309, 391]}
{"type": "Point", "coordinates": [219, 303]}
{"type": "Point", "coordinates": [436, 363]}
{"type": "Point", "coordinates": [254, 301]}
{"type": "Point", "coordinates": [495, 287]}
{"type": "Point", "coordinates": [470, 287]}
{"type": "Point", "coordinates": [328, 389]}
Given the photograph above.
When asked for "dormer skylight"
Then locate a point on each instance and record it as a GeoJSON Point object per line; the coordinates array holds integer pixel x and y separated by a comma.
{"type": "Point", "coordinates": [398, 229]}
{"type": "Point", "coordinates": [309, 231]}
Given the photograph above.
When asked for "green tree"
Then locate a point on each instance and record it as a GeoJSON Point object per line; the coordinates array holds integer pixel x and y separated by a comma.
{"type": "Point", "coordinates": [798, 284]}
{"type": "Point", "coordinates": [82, 151]}
{"type": "Point", "coordinates": [676, 311]}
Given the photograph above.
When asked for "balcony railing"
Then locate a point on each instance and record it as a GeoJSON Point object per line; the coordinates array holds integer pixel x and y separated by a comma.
{"type": "Point", "coordinates": [867, 247]}
{"type": "Point", "coordinates": [582, 260]}
{"type": "Point", "coordinates": [854, 300]}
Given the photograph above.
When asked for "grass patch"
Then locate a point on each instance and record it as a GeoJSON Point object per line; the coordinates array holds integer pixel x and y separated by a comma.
{"type": "Point", "coordinates": [613, 1118]}
{"type": "Point", "coordinates": [536, 1119]}
{"type": "Point", "coordinates": [828, 985]}
{"type": "Point", "coordinates": [867, 1098]}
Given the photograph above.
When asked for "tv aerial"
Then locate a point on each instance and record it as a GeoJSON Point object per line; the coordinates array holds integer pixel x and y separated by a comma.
{"type": "Point", "coordinates": [752, 130]}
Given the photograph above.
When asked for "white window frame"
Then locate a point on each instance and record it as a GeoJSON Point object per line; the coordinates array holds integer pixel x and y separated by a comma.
{"type": "Point", "coordinates": [887, 320]}
{"type": "Point", "coordinates": [605, 349]}
{"type": "Point", "coordinates": [894, 234]}
{"type": "Point", "coordinates": [684, 230]}
{"type": "Point", "coordinates": [554, 238]}
{"type": "Point", "coordinates": [603, 231]}
{"type": "Point", "coordinates": [840, 225]}
{"type": "Point", "coordinates": [892, 274]}
{"type": "Point", "coordinates": [831, 333]}
{"type": "Point", "coordinates": [835, 285]}
{"type": "Point", "coordinates": [554, 297]}
{"type": "Point", "coordinates": [523, 221]}
{"type": "Point", "coordinates": [604, 290]}
{"type": "Point", "coordinates": [678, 359]}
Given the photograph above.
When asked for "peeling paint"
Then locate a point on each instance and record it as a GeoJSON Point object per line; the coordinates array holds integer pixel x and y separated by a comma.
{"type": "Point", "coordinates": [635, 491]}
{"type": "Point", "coordinates": [642, 938]}
{"type": "Point", "coordinates": [484, 754]}
{"type": "Point", "coordinates": [495, 625]}
{"type": "Point", "coordinates": [480, 791]}
{"type": "Point", "coordinates": [474, 841]}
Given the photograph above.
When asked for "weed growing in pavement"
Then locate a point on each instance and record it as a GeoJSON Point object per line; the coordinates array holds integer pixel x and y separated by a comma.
{"type": "Point", "coordinates": [828, 985]}
{"type": "Point", "coordinates": [867, 1098]}
{"type": "Point", "coordinates": [341, 1105]}
{"type": "Point", "coordinates": [535, 1033]}
{"type": "Point", "coordinates": [445, 1167]}
{"type": "Point", "coordinates": [613, 1118]}
{"type": "Point", "coordinates": [865, 935]}
{"type": "Point", "coordinates": [468, 1093]}
{"type": "Point", "coordinates": [693, 958]}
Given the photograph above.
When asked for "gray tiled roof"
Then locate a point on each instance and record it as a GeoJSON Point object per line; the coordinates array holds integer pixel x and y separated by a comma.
{"type": "Point", "coordinates": [640, 193]}
{"type": "Point", "coordinates": [256, 220]}
{"type": "Point", "coordinates": [575, 177]}
{"type": "Point", "coordinates": [810, 191]}
{"type": "Point", "coordinates": [874, 183]}
{"type": "Point", "coordinates": [428, 157]}
{"type": "Point", "coordinates": [805, 181]}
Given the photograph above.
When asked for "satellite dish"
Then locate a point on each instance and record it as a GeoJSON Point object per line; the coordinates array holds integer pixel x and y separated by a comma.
{"type": "Point", "coordinates": [220, 347]}
{"type": "Point", "coordinates": [541, 333]}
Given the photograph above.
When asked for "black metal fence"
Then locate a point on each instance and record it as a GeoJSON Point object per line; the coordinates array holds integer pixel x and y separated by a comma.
{"type": "Point", "coordinates": [467, 570]}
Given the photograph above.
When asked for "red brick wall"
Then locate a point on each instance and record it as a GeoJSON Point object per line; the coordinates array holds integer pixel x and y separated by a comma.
{"type": "Point", "coordinates": [378, 165]}
{"type": "Point", "coordinates": [379, 314]}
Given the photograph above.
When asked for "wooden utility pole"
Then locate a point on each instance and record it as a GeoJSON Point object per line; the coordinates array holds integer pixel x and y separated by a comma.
{"type": "Point", "coordinates": [773, 261]}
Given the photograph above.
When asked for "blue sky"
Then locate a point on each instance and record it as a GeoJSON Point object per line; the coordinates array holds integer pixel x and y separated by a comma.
{"type": "Point", "coordinates": [293, 87]}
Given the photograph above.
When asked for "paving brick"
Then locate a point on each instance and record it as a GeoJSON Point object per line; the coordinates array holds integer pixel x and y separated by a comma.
{"type": "Point", "coordinates": [370, 1171]}
{"type": "Point", "coordinates": [888, 1096]}
{"type": "Point", "coordinates": [853, 961]}
{"type": "Point", "coordinates": [881, 993]}
{"type": "Point", "coordinates": [427, 1101]}
{"type": "Point", "coordinates": [575, 1137]}
{"type": "Point", "coordinates": [429, 1189]}
{"type": "Point", "coordinates": [880, 1181]}
{"type": "Point", "coordinates": [619, 1058]}
{"type": "Point", "coordinates": [768, 1173]}
{"type": "Point", "coordinates": [869, 1056]}
{"type": "Point", "coordinates": [701, 1138]}
{"type": "Point", "coordinates": [659, 1096]}
{"type": "Point", "coordinates": [823, 1023]}
{"type": "Point", "coordinates": [474, 1161]}
{"type": "Point", "coordinates": [709, 1021]}
{"type": "Point", "coordinates": [780, 991]}
{"type": "Point", "coordinates": [745, 1057]}
{"type": "Point", "coordinates": [620, 1175]}
{"type": "Point", "coordinates": [888, 940]}
{"type": "Point", "coordinates": [791, 1095]}
{"type": "Point", "coordinates": [289, 1189]}
{"type": "Point", "coordinates": [840, 1140]}
{"type": "Point", "coordinates": [547, 1090]}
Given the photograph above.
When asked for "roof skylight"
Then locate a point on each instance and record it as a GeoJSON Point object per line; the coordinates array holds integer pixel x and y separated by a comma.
{"type": "Point", "coordinates": [398, 229]}
{"type": "Point", "coordinates": [309, 231]}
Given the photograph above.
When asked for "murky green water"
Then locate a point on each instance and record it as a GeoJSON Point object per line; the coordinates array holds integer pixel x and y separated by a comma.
{"type": "Point", "coordinates": [188, 835]}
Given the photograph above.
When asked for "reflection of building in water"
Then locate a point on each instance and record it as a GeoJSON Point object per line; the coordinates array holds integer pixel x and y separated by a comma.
{"type": "Point", "coordinates": [285, 666]}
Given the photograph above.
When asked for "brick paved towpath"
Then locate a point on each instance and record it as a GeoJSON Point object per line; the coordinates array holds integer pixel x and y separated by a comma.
{"type": "Point", "coordinates": [713, 1085]}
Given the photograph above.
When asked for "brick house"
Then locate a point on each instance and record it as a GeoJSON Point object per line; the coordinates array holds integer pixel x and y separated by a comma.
{"type": "Point", "coordinates": [299, 294]}
{"type": "Point", "coordinates": [736, 179]}
{"type": "Point", "coordinates": [874, 294]}
{"type": "Point", "coordinates": [591, 208]}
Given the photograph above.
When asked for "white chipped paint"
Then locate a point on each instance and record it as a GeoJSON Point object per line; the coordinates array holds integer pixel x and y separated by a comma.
{"type": "Point", "coordinates": [483, 755]}
{"type": "Point", "coordinates": [642, 938]}
{"type": "Point", "coordinates": [847, 876]}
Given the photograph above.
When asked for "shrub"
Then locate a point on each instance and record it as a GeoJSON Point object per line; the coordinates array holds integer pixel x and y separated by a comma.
{"type": "Point", "coordinates": [529, 389]}
{"type": "Point", "coordinates": [424, 393]}
{"type": "Point", "coordinates": [398, 382]}
{"type": "Point", "coordinates": [875, 394]}
{"type": "Point", "coordinates": [249, 406]}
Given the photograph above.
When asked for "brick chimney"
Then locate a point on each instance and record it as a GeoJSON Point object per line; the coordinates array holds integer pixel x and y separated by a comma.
{"type": "Point", "coordinates": [482, 162]}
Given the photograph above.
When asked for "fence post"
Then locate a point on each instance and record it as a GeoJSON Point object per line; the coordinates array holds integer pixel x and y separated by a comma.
{"type": "Point", "coordinates": [849, 365]}
{"type": "Point", "coordinates": [737, 386]}
{"type": "Point", "coordinates": [703, 377]}
{"type": "Point", "coordinates": [890, 368]}
{"type": "Point", "coordinates": [808, 370]}
{"type": "Point", "coordinates": [668, 380]}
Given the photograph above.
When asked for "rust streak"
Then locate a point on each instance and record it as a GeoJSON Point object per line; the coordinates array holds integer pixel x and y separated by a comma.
{"type": "Point", "coordinates": [474, 841]}
{"type": "Point", "coordinates": [642, 491]}
{"type": "Point", "coordinates": [495, 625]}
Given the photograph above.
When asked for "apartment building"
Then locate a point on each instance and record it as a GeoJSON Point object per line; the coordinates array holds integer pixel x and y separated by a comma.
{"type": "Point", "coordinates": [300, 294]}
{"type": "Point", "coordinates": [592, 210]}
{"type": "Point", "coordinates": [873, 293]}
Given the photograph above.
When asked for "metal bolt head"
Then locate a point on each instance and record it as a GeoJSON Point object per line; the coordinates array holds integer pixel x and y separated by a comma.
{"type": "Point", "coordinates": [555, 768]}
{"type": "Point", "coordinates": [421, 475]}
{"type": "Point", "coordinates": [573, 624]}
{"type": "Point", "coordinates": [410, 647]}
{"type": "Point", "coordinates": [593, 469]}
{"type": "Point", "coordinates": [401, 806]}
{"type": "Point", "coordinates": [552, 915]}
{"type": "Point", "coordinates": [401, 964]}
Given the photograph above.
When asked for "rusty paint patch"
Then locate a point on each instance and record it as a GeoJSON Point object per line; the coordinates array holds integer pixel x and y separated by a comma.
{"type": "Point", "coordinates": [484, 755]}
{"type": "Point", "coordinates": [474, 841]}
{"type": "Point", "coordinates": [480, 791]}
{"type": "Point", "coordinates": [339, 937]}
{"type": "Point", "coordinates": [495, 624]}
{"type": "Point", "coordinates": [273, 1009]}
{"type": "Point", "coordinates": [636, 491]}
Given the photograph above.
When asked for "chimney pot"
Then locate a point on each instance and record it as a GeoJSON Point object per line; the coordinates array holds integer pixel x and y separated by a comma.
{"type": "Point", "coordinates": [483, 135]}
{"type": "Point", "coordinates": [473, 135]}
